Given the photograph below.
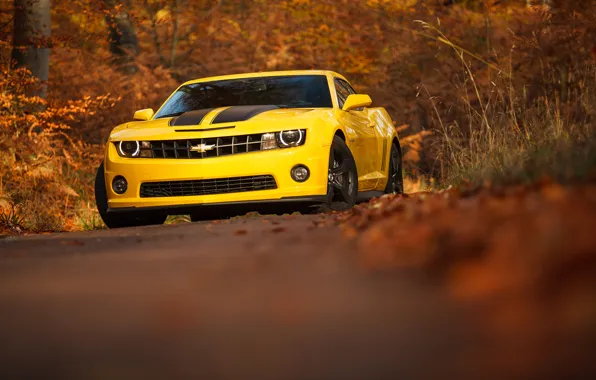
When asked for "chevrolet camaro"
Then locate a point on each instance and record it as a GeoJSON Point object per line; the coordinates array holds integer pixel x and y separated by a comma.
{"type": "Point", "coordinates": [273, 142]}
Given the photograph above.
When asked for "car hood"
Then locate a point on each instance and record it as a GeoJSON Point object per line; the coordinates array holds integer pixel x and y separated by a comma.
{"type": "Point", "coordinates": [221, 122]}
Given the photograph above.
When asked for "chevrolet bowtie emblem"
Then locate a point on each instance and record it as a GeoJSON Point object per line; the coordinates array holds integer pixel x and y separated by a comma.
{"type": "Point", "coordinates": [201, 148]}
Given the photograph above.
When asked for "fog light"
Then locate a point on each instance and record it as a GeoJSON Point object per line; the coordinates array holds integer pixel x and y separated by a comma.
{"type": "Point", "coordinates": [300, 173]}
{"type": "Point", "coordinates": [119, 185]}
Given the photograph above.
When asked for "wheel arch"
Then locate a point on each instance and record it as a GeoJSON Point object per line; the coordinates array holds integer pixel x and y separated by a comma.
{"type": "Point", "coordinates": [395, 141]}
{"type": "Point", "coordinates": [340, 134]}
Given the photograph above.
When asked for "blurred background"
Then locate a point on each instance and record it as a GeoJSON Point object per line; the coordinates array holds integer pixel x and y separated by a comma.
{"type": "Point", "coordinates": [486, 268]}
{"type": "Point", "coordinates": [494, 91]}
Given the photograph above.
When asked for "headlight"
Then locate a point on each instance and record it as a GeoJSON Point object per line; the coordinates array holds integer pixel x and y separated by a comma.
{"type": "Point", "coordinates": [134, 148]}
{"type": "Point", "coordinates": [268, 141]}
{"type": "Point", "coordinates": [290, 138]}
{"type": "Point", "coordinates": [283, 139]}
{"type": "Point", "coordinates": [129, 148]}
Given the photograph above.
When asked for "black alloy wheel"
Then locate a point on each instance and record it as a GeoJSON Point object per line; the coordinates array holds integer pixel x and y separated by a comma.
{"type": "Point", "coordinates": [342, 185]}
{"type": "Point", "coordinates": [395, 181]}
{"type": "Point", "coordinates": [121, 219]}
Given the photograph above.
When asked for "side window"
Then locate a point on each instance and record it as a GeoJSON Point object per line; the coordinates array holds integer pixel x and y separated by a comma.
{"type": "Point", "coordinates": [348, 87]}
{"type": "Point", "coordinates": [342, 92]}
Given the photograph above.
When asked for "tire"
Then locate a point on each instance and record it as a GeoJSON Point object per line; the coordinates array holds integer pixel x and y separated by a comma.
{"type": "Point", "coordinates": [395, 181]}
{"type": "Point", "coordinates": [121, 219]}
{"type": "Point", "coordinates": [210, 214]}
{"type": "Point", "coordinates": [342, 184]}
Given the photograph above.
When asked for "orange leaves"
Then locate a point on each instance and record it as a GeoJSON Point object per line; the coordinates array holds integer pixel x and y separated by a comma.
{"type": "Point", "coordinates": [490, 243]}
{"type": "Point", "coordinates": [300, 2]}
{"type": "Point", "coordinates": [40, 164]}
{"type": "Point", "coordinates": [67, 190]}
{"type": "Point", "coordinates": [523, 256]}
{"type": "Point", "coordinates": [413, 145]}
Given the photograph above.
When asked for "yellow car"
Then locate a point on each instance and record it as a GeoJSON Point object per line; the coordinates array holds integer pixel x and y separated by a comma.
{"type": "Point", "coordinates": [273, 142]}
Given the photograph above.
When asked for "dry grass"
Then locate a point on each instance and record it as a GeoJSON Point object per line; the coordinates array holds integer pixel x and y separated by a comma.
{"type": "Point", "coordinates": [505, 135]}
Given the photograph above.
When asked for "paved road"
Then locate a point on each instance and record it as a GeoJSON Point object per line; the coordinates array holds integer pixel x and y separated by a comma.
{"type": "Point", "coordinates": [255, 298]}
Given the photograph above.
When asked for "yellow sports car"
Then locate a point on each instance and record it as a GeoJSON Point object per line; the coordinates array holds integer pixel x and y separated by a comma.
{"type": "Point", "coordinates": [274, 141]}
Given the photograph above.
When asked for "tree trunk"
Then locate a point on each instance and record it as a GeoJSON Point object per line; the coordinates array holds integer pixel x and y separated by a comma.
{"type": "Point", "coordinates": [176, 25]}
{"type": "Point", "coordinates": [122, 36]}
{"type": "Point", "coordinates": [31, 40]}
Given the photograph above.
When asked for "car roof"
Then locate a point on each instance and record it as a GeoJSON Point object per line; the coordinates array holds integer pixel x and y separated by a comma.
{"type": "Point", "coordinates": [266, 74]}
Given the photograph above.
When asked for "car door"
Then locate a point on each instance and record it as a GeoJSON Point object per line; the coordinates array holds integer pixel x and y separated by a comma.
{"type": "Point", "coordinates": [363, 139]}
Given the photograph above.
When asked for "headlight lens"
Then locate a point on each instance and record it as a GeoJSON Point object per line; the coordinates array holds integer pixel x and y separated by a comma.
{"type": "Point", "coordinates": [290, 138]}
{"type": "Point", "coordinates": [134, 148]}
{"type": "Point", "coordinates": [283, 139]}
{"type": "Point", "coordinates": [129, 148]}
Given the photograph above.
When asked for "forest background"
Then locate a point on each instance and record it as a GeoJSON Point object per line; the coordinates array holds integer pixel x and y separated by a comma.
{"type": "Point", "coordinates": [483, 93]}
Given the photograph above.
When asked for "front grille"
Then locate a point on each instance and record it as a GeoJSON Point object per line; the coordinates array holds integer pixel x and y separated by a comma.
{"type": "Point", "coordinates": [207, 186]}
{"type": "Point", "coordinates": [215, 146]}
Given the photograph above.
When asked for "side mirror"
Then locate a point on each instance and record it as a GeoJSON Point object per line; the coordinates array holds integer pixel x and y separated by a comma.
{"type": "Point", "coordinates": [144, 115]}
{"type": "Point", "coordinates": [356, 101]}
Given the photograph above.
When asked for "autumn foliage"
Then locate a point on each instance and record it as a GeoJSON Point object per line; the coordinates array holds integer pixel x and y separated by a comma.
{"type": "Point", "coordinates": [44, 185]}
{"type": "Point", "coordinates": [480, 89]}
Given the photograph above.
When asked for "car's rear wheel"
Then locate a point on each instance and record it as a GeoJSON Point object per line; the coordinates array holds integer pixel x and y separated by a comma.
{"type": "Point", "coordinates": [342, 185]}
{"type": "Point", "coordinates": [121, 219]}
{"type": "Point", "coordinates": [395, 181]}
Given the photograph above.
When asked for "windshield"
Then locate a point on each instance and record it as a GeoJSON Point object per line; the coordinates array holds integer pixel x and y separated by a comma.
{"type": "Point", "coordinates": [300, 91]}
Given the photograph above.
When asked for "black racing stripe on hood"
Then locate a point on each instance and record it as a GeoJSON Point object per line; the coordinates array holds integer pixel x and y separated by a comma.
{"type": "Point", "coordinates": [190, 118]}
{"type": "Point", "coordinates": [240, 113]}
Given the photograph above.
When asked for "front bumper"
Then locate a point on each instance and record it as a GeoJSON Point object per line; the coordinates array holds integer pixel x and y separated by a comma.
{"type": "Point", "coordinates": [243, 206]}
{"type": "Point", "coordinates": [277, 163]}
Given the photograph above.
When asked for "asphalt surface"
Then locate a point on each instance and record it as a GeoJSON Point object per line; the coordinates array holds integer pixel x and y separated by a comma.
{"type": "Point", "coordinates": [256, 298]}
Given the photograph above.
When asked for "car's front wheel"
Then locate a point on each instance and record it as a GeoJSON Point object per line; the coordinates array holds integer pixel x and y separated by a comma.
{"type": "Point", "coordinates": [395, 180]}
{"type": "Point", "coordinates": [342, 185]}
{"type": "Point", "coordinates": [121, 219]}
